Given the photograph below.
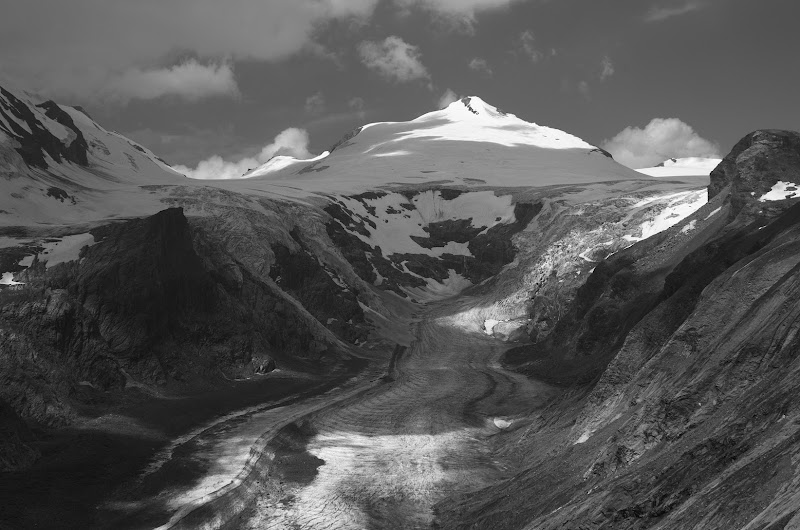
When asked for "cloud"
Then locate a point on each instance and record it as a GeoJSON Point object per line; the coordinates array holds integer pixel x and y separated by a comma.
{"type": "Point", "coordinates": [527, 42]}
{"type": "Point", "coordinates": [481, 66]}
{"type": "Point", "coordinates": [70, 54]}
{"type": "Point", "coordinates": [607, 68]}
{"type": "Point", "coordinates": [462, 12]}
{"type": "Point", "coordinates": [659, 140]}
{"type": "Point", "coordinates": [189, 80]}
{"type": "Point", "coordinates": [358, 106]}
{"type": "Point", "coordinates": [659, 14]}
{"type": "Point", "coordinates": [292, 141]}
{"type": "Point", "coordinates": [315, 104]}
{"type": "Point", "coordinates": [447, 98]}
{"type": "Point", "coordinates": [394, 59]}
{"type": "Point", "coordinates": [583, 88]}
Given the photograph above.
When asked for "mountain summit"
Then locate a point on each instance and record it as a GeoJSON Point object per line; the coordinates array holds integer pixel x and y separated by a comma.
{"type": "Point", "coordinates": [469, 143]}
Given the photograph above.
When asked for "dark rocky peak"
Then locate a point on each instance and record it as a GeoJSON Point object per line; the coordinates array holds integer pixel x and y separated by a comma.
{"type": "Point", "coordinates": [77, 150]}
{"type": "Point", "coordinates": [756, 164]}
{"type": "Point", "coordinates": [663, 164]}
{"type": "Point", "coordinates": [466, 101]}
{"type": "Point", "coordinates": [35, 138]}
{"type": "Point", "coordinates": [344, 141]}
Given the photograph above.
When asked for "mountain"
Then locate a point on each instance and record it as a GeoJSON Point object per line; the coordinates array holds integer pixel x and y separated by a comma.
{"type": "Point", "coordinates": [682, 167]}
{"type": "Point", "coordinates": [476, 310]}
{"type": "Point", "coordinates": [685, 349]}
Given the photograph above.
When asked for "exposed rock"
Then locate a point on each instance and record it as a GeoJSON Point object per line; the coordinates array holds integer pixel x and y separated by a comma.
{"type": "Point", "coordinates": [755, 164]}
{"type": "Point", "coordinates": [143, 306]}
{"type": "Point", "coordinates": [686, 362]}
{"type": "Point", "coordinates": [36, 141]}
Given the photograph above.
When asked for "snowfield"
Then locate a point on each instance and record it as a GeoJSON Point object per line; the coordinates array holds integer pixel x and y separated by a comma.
{"type": "Point", "coordinates": [683, 167]}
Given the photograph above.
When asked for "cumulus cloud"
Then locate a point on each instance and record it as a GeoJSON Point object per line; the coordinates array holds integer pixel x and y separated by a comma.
{"type": "Point", "coordinates": [292, 142]}
{"type": "Point", "coordinates": [394, 59]}
{"type": "Point", "coordinates": [659, 140]}
{"type": "Point", "coordinates": [606, 68]}
{"type": "Point", "coordinates": [661, 13]}
{"type": "Point", "coordinates": [527, 41]}
{"type": "Point", "coordinates": [189, 80]}
{"type": "Point", "coordinates": [447, 98]}
{"type": "Point", "coordinates": [315, 104]}
{"type": "Point", "coordinates": [71, 54]}
{"type": "Point", "coordinates": [481, 66]}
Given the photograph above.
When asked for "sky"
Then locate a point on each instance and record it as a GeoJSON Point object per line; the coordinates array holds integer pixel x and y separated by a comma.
{"type": "Point", "coordinates": [220, 86]}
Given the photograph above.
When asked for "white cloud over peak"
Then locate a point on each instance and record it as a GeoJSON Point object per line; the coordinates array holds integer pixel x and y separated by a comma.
{"type": "Point", "coordinates": [606, 68]}
{"type": "Point", "coordinates": [659, 140]}
{"type": "Point", "coordinates": [527, 41]}
{"type": "Point", "coordinates": [358, 106]}
{"type": "Point", "coordinates": [481, 66]}
{"type": "Point", "coordinates": [394, 59]}
{"type": "Point", "coordinates": [658, 13]}
{"type": "Point", "coordinates": [292, 142]}
{"type": "Point", "coordinates": [447, 98]}
{"type": "Point", "coordinates": [189, 80]}
{"type": "Point", "coordinates": [315, 104]}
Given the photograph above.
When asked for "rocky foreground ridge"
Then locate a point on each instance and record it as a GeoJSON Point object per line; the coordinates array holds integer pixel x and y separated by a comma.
{"type": "Point", "coordinates": [681, 359]}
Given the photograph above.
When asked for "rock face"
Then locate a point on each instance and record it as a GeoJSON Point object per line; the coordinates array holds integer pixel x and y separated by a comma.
{"type": "Point", "coordinates": [756, 162]}
{"type": "Point", "coordinates": [682, 351]}
{"type": "Point", "coordinates": [35, 140]}
{"type": "Point", "coordinates": [143, 306]}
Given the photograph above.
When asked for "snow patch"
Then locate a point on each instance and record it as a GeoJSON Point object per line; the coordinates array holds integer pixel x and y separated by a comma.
{"type": "Point", "coordinates": [781, 191]}
{"type": "Point", "coordinates": [500, 423]}
{"type": "Point", "coordinates": [681, 206]}
{"type": "Point", "coordinates": [683, 167]}
{"type": "Point", "coordinates": [8, 279]}
{"type": "Point", "coordinates": [489, 324]}
{"type": "Point", "coordinates": [712, 214]}
{"type": "Point", "coordinates": [54, 252]}
{"type": "Point", "coordinates": [689, 227]}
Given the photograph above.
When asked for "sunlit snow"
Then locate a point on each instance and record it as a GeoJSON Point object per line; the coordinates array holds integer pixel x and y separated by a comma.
{"type": "Point", "coordinates": [781, 191]}
{"type": "Point", "coordinates": [8, 279]}
{"type": "Point", "coordinates": [683, 167]}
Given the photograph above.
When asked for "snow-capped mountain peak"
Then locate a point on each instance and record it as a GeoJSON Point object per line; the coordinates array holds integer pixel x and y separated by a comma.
{"type": "Point", "coordinates": [465, 144]}
{"type": "Point", "coordinates": [473, 119]}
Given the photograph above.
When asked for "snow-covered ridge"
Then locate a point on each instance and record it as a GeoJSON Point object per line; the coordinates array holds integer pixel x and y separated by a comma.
{"type": "Point", "coordinates": [470, 143]}
{"type": "Point", "coordinates": [276, 163]}
{"type": "Point", "coordinates": [682, 167]}
{"type": "Point", "coordinates": [39, 126]}
{"type": "Point", "coordinates": [473, 120]}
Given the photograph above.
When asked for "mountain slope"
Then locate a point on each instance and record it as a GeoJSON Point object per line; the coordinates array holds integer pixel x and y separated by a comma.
{"type": "Point", "coordinates": [686, 346]}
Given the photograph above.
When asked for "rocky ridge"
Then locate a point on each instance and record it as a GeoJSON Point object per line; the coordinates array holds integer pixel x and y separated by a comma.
{"type": "Point", "coordinates": [681, 356]}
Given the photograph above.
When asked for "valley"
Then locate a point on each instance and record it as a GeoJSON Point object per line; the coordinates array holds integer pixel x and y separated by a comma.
{"type": "Point", "coordinates": [460, 321]}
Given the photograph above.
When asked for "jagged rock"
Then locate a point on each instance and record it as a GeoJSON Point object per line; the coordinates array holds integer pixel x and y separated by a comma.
{"type": "Point", "coordinates": [756, 163]}
{"type": "Point", "coordinates": [37, 140]}
{"type": "Point", "coordinates": [143, 304]}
